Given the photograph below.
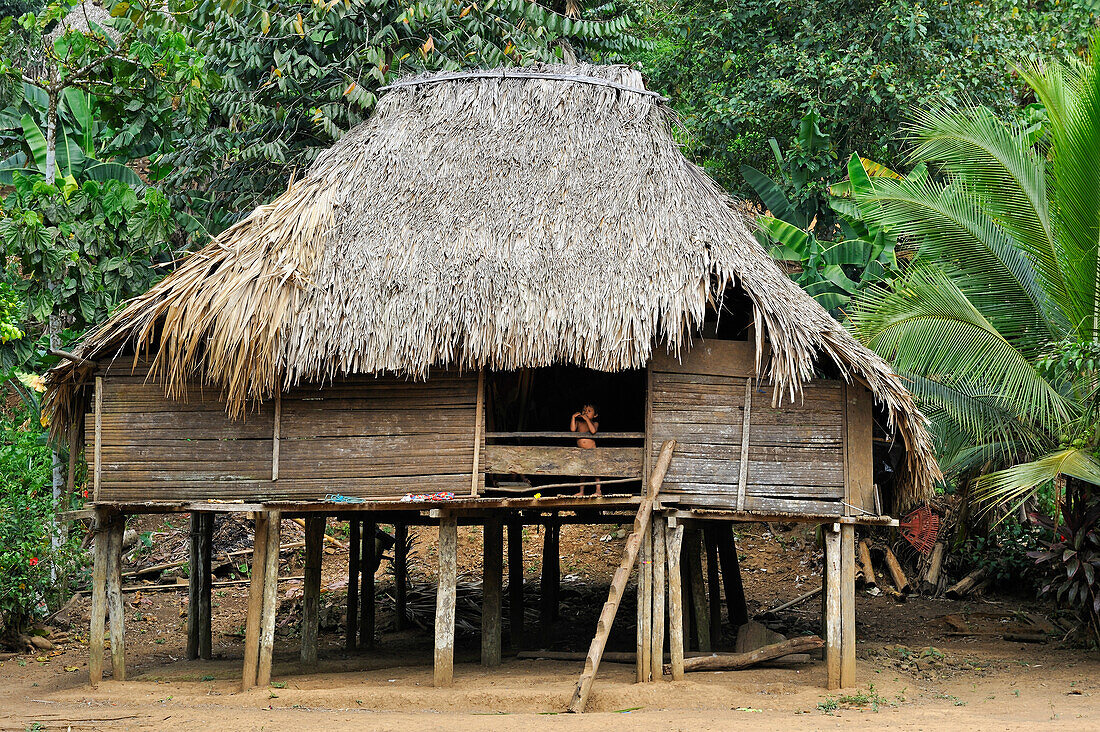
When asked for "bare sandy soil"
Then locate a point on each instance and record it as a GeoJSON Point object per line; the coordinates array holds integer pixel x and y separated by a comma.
{"type": "Point", "coordinates": [914, 670]}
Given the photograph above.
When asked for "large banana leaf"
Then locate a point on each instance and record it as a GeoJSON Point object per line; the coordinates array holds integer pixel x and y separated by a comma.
{"type": "Point", "coordinates": [773, 197]}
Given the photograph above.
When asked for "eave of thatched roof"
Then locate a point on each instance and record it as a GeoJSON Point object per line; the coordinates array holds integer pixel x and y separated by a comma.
{"type": "Point", "coordinates": [484, 222]}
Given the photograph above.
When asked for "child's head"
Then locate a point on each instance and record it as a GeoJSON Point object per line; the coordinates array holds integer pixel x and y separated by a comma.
{"type": "Point", "coordinates": [589, 410]}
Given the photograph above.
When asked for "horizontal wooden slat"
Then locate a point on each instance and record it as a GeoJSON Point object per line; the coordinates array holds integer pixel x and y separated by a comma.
{"type": "Point", "coordinates": [260, 490]}
{"type": "Point", "coordinates": [714, 357]}
{"type": "Point", "coordinates": [706, 499]}
{"type": "Point", "coordinates": [609, 462]}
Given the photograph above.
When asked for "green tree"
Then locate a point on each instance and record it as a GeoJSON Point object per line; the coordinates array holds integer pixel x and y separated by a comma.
{"type": "Point", "coordinates": [998, 320]}
{"type": "Point", "coordinates": [743, 71]}
{"type": "Point", "coordinates": [295, 76]}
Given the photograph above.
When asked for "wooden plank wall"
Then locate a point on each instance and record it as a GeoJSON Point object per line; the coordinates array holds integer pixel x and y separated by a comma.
{"type": "Point", "coordinates": [361, 436]}
{"type": "Point", "coordinates": [796, 452]}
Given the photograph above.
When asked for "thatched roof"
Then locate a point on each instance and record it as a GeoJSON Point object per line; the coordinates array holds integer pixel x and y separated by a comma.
{"type": "Point", "coordinates": [484, 221]}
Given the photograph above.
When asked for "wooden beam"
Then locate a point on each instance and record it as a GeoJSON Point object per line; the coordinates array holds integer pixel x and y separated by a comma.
{"type": "Point", "coordinates": [311, 589]}
{"type": "Point", "coordinates": [847, 605]}
{"type": "Point", "coordinates": [368, 565]}
{"type": "Point", "coordinates": [642, 521]}
{"type": "Point", "coordinates": [660, 592]}
{"type": "Point", "coordinates": [401, 575]}
{"type": "Point", "coordinates": [743, 465]}
{"type": "Point", "coordinates": [479, 429]}
{"type": "Point", "coordinates": [692, 538]}
{"type": "Point", "coordinates": [99, 597]}
{"type": "Point", "coordinates": [115, 608]}
{"type": "Point", "coordinates": [515, 585]}
{"type": "Point", "coordinates": [645, 607]}
{"type": "Point", "coordinates": [549, 587]}
{"type": "Point", "coordinates": [674, 538]}
{"type": "Point", "coordinates": [445, 601]}
{"type": "Point", "coordinates": [735, 661]}
{"type": "Point", "coordinates": [270, 600]}
{"type": "Point", "coordinates": [607, 462]}
{"type": "Point", "coordinates": [833, 611]}
{"type": "Point", "coordinates": [351, 639]}
{"type": "Point", "coordinates": [492, 567]}
{"type": "Point", "coordinates": [254, 615]}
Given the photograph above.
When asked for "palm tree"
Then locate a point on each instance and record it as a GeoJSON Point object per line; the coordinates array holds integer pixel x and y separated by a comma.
{"type": "Point", "coordinates": [997, 321]}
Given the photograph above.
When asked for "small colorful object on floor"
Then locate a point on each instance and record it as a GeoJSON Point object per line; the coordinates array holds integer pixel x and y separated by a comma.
{"type": "Point", "coordinates": [441, 496]}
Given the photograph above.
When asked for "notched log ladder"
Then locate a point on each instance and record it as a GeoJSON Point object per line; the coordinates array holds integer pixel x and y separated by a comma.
{"type": "Point", "coordinates": [618, 583]}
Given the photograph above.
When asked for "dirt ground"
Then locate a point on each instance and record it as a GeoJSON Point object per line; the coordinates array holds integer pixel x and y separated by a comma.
{"type": "Point", "coordinates": [915, 669]}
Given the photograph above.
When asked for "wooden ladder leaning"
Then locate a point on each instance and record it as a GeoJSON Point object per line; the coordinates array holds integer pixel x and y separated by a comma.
{"type": "Point", "coordinates": [618, 582]}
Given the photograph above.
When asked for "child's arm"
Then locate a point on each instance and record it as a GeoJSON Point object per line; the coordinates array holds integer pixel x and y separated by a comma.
{"type": "Point", "coordinates": [592, 426]}
{"type": "Point", "coordinates": [573, 422]}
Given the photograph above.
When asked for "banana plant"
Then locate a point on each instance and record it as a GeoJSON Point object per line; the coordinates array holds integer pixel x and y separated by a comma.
{"type": "Point", "coordinates": [834, 271]}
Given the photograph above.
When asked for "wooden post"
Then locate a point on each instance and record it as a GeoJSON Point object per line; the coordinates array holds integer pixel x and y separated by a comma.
{"type": "Point", "coordinates": [255, 602]}
{"type": "Point", "coordinates": [275, 435]}
{"type": "Point", "coordinates": [479, 429]}
{"type": "Point", "coordinates": [351, 642]}
{"type": "Point", "coordinates": [743, 464]}
{"type": "Point", "coordinates": [657, 636]}
{"type": "Point", "coordinates": [198, 586]}
{"type": "Point", "coordinates": [645, 609]}
{"type": "Point", "coordinates": [311, 588]}
{"type": "Point", "coordinates": [674, 537]}
{"type": "Point", "coordinates": [551, 577]}
{"type": "Point", "coordinates": [515, 585]}
{"type": "Point", "coordinates": [832, 606]}
{"type": "Point", "coordinates": [692, 539]}
{"type": "Point", "coordinates": [99, 597]}
{"type": "Point", "coordinates": [270, 598]}
{"type": "Point", "coordinates": [368, 565]}
{"type": "Point", "coordinates": [445, 601]}
{"type": "Point", "coordinates": [401, 575]}
{"type": "Point", "coordinates": [714, 594]}
{"type": "Point", "coordinates": [731, 576]}
{"type": "Point", "coordinates": [847, 605]}
{"type": "Point", "coordinates": [97, 448]}
{"type": "Point", "coordinates": [115, 609]}
{"type": "Point", "coordinates": [492, 567]}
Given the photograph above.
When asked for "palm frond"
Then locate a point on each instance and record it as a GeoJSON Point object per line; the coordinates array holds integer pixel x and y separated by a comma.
{"type": "Point", "coordinates": [1020, 481]}
{"type": "Point", "coordinates": [927, 326]}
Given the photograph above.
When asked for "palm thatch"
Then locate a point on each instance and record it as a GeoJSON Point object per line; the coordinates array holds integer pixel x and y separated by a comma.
{"type": "Point", "coordinates": [489, 220]}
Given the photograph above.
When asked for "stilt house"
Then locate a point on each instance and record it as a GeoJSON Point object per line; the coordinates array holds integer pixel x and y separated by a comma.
{"type": "Point", "coordinates": [422, 313]}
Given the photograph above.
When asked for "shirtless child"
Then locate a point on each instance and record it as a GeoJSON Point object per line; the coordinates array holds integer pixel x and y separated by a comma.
{"type": "Point", "coordinates": [586, 421]}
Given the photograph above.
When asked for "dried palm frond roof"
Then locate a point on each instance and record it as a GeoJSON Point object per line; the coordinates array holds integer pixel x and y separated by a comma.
{"type": "Point", "coordinates": [484, 220]}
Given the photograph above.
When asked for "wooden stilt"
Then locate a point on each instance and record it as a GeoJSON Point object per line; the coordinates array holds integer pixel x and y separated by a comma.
{"type": "Point", "coordinates": [445, 601]}
{"type": "Point", "coordinates": [642, 521]}
{"type": "Point", "coordinates": [198, 586]}
{"type": "Point", "coordinates": [551, 579]}
{"type": "Point", "coordinates": [401, 575]}
{"type": "Point", "coordinates": [714, 593]}
{"type": "Point", "coordinates": [701, 611]}
{"type": "Point", "coordinates": [731, 576]}
{"type": "Point", "coordinates": [645, 619]}
{"type": "Point", "coordinates": [847, 605]}
{"type": "Point", "coordinates": [99, 597]}
{"type": "Point", "coordinates": [114, 598]}
{"type": "Point", "coordinates": [271, 596]}
{"type": "Point", "coordinates": [311, 588]}
{"type": "Point", "coordinates": [206, 550]}
{"type": "Point", "coordinates": [492, 567]}
{"type": "Point", "coordinates": [368, 565]}
{"type": "Point", "coordinates": [660, 592]}
{"type": "Point", "coordinates": [351, 642]}
{"type": "Point", "coordinates": [832, 607]}
{"type": "Point", "coordinates": [674, 538]}
{"type": "Point", "coordinates": [254, 615]}
{"type": "Point", "coordinates": [688, 610]}
{"type": "Point", "coordinates": [515, 585]}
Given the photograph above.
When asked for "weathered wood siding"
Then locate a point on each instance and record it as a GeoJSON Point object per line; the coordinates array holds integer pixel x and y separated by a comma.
{"type": "Point", "coordinates": [361, 436]}
{"type": "Point", "coordinates": [796, 460]}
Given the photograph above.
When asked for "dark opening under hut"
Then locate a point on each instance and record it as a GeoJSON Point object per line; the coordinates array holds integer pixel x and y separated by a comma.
{"type": "Point", "coordinates": [424, 312]}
